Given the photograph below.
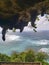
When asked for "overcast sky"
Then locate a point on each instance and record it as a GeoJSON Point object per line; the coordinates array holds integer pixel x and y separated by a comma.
{"type": "Point", "coordinates": [42, 24]}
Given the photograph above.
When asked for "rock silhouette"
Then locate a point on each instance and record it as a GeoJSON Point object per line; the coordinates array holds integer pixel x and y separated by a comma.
{"type": "Point", "coordinates": [18, 21]}
{"type": "Point", "coordinates": [12, 22]}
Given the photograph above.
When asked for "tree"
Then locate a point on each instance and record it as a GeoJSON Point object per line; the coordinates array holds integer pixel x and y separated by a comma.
{"type": "Point", "coordinates": [22, 56]}
{"type": "Point", "coordinates": [16, 60]}
{"type": "Point", "coordinates": [30, 56]}
{"type": "Point", "coordinates": [41, 56]}
{"type": "Point", "coordinates": [4, 58]}
{"type": "Point", "coordinates": [14, 56]}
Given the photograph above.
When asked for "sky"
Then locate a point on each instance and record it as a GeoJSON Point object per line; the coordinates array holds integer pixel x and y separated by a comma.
{"type": "Point", "coordinates": [42, 24]}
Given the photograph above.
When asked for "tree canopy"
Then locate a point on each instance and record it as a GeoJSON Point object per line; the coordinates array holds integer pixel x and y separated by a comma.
{"type": "Point", "coordinates": [26, 56]}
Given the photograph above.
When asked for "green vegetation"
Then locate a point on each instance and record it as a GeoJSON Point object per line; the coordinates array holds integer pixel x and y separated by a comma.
{"type": "Point", "coordinates": [27, 56]}
{"type": "Point", "coordinates": [4, 57]}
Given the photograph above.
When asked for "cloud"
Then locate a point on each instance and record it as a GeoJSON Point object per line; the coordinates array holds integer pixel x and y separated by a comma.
{"type": "Point", "coordinates": [43, 23]}
{"type": "Point", "coordinates": [10, 38]}
{"type": "Point", "coordinates": [0, 29]}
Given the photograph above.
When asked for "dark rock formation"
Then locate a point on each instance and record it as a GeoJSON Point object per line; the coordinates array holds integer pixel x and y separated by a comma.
{"type": "Point", "coordinates": [18, 21]}
{"type": "Point", "coordinates": [12, 22]}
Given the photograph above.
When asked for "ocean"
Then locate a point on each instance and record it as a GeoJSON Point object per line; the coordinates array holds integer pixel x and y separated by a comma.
{"type": "Point", "coordinates": [19, 42]}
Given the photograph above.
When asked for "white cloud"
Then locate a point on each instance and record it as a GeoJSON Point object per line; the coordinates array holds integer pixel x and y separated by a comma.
{"type": "Point", "coordinates": [0, 29]}
{"type": "Point", "coordinates": [12, 38]}
{"type": "Point", "coordinates": [43, 23]}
